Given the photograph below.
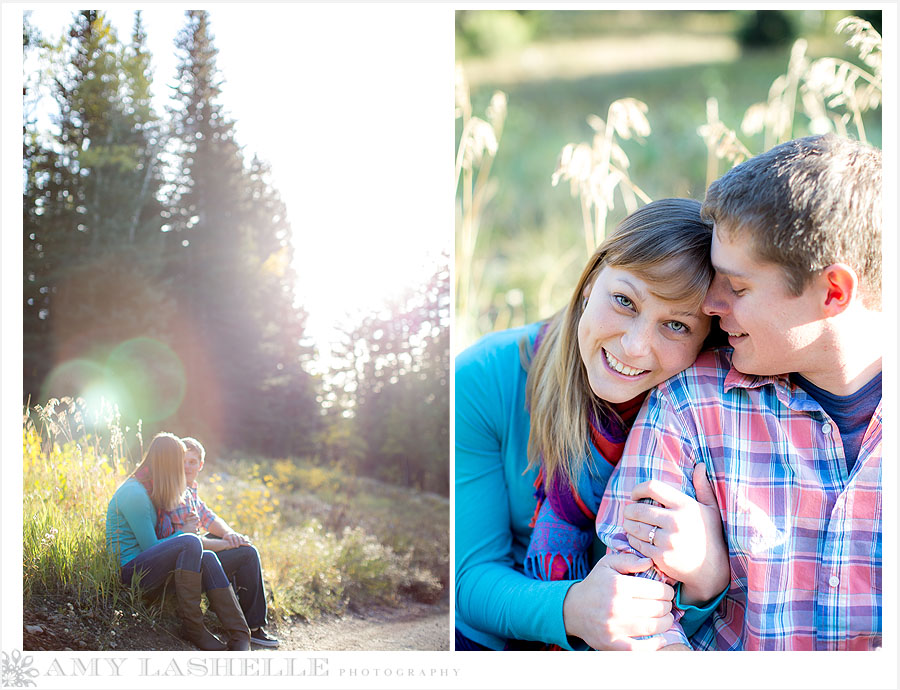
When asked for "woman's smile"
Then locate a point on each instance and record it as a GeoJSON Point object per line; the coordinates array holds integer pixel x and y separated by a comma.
{"type": "Point", "coordinates": [620, 367]}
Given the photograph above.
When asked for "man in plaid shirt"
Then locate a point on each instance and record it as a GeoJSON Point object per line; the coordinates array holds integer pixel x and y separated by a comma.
{"type": "Point", "coordinates": [787, 420]}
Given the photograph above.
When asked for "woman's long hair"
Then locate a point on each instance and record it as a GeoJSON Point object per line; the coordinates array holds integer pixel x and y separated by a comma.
{"type": "Point", "coordinates": [665, 243]}
{"type": "Point", "coordinates": [164, 463]}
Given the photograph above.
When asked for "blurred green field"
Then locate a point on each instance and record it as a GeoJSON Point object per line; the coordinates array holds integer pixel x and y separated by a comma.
{"type": "Point", "coordinates": [530, 248]}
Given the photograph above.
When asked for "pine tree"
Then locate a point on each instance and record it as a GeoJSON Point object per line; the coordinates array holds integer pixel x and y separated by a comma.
{"type": "Point", "coordinates": [228, 247]}
{"type": "Point", "coordinates": [92, 272]}
{"type": "Point", "coordinates": [394, 367]}
{"type": "Point", "coordinates": [40, 191]}
{"type": "Point", "coordinates": [286, 416]}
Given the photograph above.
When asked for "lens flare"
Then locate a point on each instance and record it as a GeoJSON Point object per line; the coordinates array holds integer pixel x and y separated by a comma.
{"type": "Point", "coordinates": [73, 378]}
{"type": "Point", "coordinates": [151, 373]}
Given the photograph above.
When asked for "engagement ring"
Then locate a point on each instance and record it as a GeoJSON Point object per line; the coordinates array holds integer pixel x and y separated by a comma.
{"type": "Point", "coordinates": [652, 534]}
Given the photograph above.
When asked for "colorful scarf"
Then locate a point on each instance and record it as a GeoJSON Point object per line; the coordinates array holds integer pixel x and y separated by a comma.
{"type": "Point", "coordinates": [564, 518]}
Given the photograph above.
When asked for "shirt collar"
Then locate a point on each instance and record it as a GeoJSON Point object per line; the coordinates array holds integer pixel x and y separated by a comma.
{"type": "Point", "coordinates": [788, 393]}
{"type": "Point", "coordinates": [736, 379]}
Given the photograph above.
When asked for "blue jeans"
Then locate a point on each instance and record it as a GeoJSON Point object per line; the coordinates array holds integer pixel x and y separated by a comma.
{"type": "Point", "coordinates": [184, 552]}
{"type": "Point", "coordinates": [242, 566]}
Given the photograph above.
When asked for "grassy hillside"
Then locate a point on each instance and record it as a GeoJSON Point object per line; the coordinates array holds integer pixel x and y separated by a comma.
{"type": "Point", "coordinates": [329, 542]}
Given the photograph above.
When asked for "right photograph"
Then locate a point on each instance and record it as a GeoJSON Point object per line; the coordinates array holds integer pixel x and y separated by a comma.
{"type": "Point", "coordinates": [668, 274]}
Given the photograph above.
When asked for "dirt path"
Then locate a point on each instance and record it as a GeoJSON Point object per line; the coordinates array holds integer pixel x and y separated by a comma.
{"type": "Point", "coordinates": [411, 626]}
{"type": "Point", "coordinates": [414, 626]}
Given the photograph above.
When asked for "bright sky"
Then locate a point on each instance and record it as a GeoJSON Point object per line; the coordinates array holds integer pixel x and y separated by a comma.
{"type": "Point", "coordinates": [351, 105]}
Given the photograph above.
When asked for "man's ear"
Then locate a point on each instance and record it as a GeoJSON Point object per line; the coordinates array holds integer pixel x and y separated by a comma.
{"type": "Point", "coordinates": [841, 288]}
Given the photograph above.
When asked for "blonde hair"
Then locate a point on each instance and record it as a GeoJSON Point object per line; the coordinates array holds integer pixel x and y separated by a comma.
{"type": "Point", "coordinates": [665, 243]}
{"type": "Point", "coordinates": [164, 462]}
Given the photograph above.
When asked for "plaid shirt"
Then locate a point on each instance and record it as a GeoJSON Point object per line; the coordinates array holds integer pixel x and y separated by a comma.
{"type": "Point", "coordinates": [804, 536]}
{"type": "Point", "coordinates": [173, 520]}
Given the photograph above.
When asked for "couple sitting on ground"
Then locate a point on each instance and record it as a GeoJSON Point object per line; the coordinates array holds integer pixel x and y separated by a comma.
{"type": "Point", "coordinates": [736, 489]}
{"type": "Point", "coordinates": [152, 526]}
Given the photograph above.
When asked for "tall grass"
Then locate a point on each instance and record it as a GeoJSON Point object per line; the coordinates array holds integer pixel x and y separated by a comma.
{"type": "Point", "coordinates": [333, 541]}
{"type": "Point", "coordinates": [328, 542]}
{"type": "Point", "coordinates": [831, 93]}
{"type": "Point", "coordinates": [68, 480]}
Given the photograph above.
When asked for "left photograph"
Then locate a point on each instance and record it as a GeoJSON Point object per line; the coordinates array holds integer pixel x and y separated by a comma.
{"type": "Point", "coordinates": [236, 384]}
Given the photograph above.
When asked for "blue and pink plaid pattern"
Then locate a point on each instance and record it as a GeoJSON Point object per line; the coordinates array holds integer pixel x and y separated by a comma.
{"type": "Point", "coordinates": [804, 537]}
{"type": "Point", "coordinates": [173, 521]}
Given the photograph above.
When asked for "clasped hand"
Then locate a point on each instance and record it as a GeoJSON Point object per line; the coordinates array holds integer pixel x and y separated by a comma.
{"type": "Point", "coordinates": [610, 607]}
{"type": "Point", "coordinates": [687, 543]}
{"type": "Point", "coordinates": [191, 524]}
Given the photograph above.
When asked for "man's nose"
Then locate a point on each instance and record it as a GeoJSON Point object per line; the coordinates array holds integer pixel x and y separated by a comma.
{"type": "Point", "coordinates": [716, 303]}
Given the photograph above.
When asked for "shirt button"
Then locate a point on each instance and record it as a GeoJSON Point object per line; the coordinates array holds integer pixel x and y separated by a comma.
{"type": "Point", "coordinates": [834, 581]}
{"type": "Point", "coordinates": [826, 428]}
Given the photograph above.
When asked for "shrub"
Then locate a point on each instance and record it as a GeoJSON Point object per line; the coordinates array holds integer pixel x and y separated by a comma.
{"type": "Point", "coordinates": [766, 29]}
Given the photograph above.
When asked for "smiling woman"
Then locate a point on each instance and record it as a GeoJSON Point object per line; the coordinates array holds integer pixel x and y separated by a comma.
{"type": "Point", "coordinates": [563, 394]}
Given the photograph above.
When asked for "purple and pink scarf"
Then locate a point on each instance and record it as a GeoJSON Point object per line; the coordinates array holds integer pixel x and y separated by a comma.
{"type": "Point", "coordinates": [564, 518]}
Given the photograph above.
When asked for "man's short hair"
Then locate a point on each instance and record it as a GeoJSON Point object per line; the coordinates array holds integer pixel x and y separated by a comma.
{"type": "Point", "coordinates": [807, 204]}
{"type": "Point", "coordinates": [193, 444]}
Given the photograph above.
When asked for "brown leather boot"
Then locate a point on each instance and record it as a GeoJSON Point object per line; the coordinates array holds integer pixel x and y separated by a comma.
{"type": "Point", "coordinates": [187, 593]}
{"type": "Point", "coordinates": [225, 605]}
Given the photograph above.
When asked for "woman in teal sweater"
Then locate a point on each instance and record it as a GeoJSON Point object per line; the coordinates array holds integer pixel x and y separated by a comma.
{"type": "Point", "coordinates": [154, 487]}
{"type": "Point", "coordinates": [550, 404]}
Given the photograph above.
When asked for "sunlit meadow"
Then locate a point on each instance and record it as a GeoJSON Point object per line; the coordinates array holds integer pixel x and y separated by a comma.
{"type": "Point", "coordinates": [328, 542]}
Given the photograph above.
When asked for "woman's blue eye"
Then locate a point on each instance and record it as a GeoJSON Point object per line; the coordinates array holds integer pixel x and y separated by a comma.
{"type": "Point", "coordinates": [679, 327]}
{"type": "Point", "coordinates": [624, 301]}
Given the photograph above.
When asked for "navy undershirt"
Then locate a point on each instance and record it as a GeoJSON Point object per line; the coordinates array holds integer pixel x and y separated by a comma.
{"type": "Point", "coordinates": [852, 413]}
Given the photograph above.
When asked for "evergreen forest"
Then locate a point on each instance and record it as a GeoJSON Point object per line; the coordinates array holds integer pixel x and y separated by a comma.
{"type": "Point", "coordinates": [158, 277]}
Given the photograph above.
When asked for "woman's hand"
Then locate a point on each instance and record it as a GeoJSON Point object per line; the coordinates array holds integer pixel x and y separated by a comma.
{"type": "Point", "coordinates": [610, 606]}
{"type": "Point", "coordinates": [688, 542]}
{"type": "Point", "coordinates": [191, 524]}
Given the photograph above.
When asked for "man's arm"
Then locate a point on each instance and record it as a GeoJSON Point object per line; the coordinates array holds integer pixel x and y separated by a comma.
{"type": "Point", "coordinates": [228, 538]}
{"type": "Point", "coordinates": [659, 447]}
{"type": "Point", "coordinates": [212, 523]}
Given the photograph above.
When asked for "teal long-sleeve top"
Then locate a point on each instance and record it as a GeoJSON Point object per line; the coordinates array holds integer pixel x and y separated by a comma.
{"type": "Point", "coordinates": [494, 500]}
{"type": "Point", "coordinates": [131, 522]}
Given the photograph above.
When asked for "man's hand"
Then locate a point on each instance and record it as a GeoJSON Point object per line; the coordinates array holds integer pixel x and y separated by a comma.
{"type": "Point", "coordinates": [233, 539]}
